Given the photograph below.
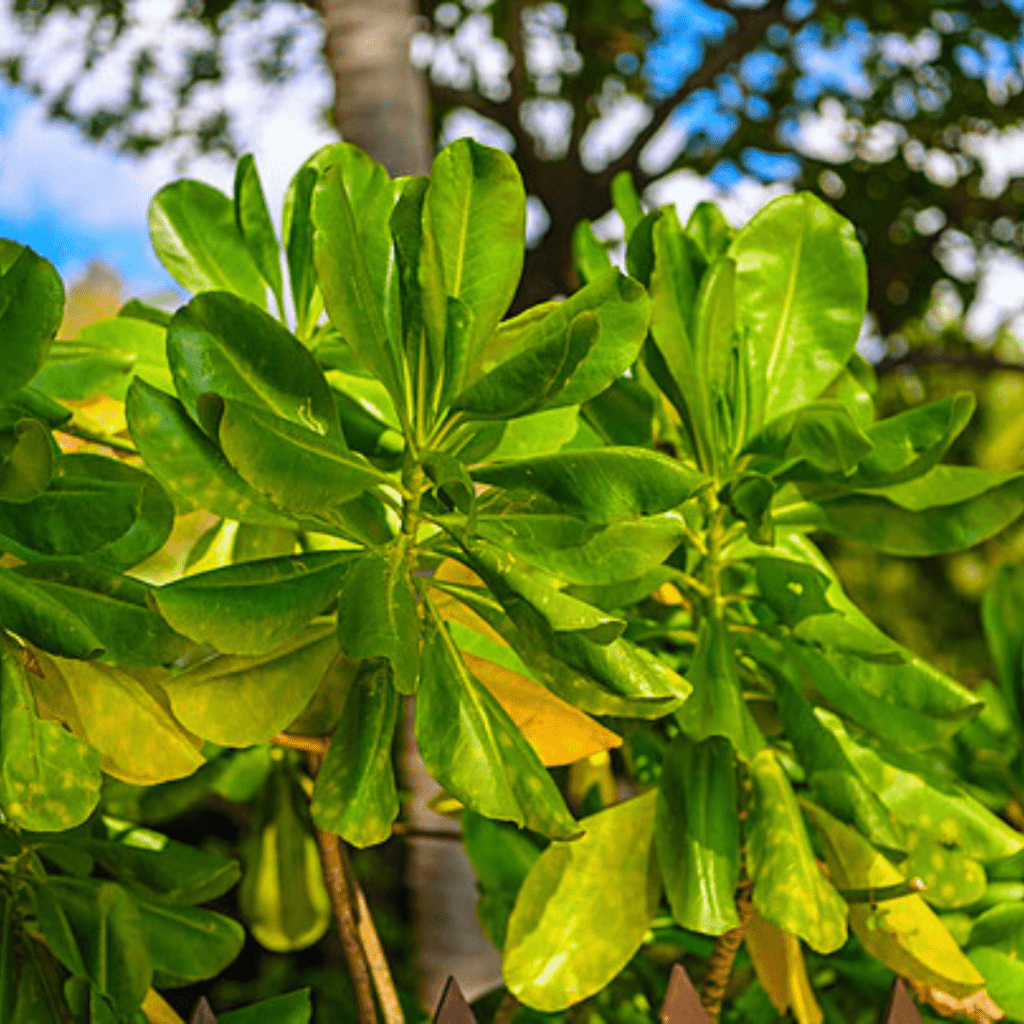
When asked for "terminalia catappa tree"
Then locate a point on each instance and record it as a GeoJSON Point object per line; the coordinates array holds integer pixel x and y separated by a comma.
{"type": "Point", "coordinates": [580, 529]}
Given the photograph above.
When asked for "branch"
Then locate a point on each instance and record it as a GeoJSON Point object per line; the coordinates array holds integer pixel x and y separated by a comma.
{"type": "Point", "coordinates": [750, 28]}
{"type": "Point", "coordinates": [940, 357]}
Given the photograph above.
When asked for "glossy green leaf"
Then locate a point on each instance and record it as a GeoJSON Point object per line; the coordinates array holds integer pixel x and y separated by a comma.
{"type": "Point", "coordinates": [195, 236]}
{"type": "Point", "coordinates": [584, 909]}
{"type": "Point", "coordinates": [143, 743]}
{"type": "Point", "coordinates": [104, 357]}
{"type": "Point", "coordinates": [407, 235]}
{"type": "Point", "coordinates": [297, 229]}
{"type": "Point", "coordinates": [800, 274]}
{"type": "Point", "coordinates": [188, 463]}
{"type": "Point", "coordinates": [458, 341]}
{"type": "Point", "coordinates": [716, 707]}
{"type": "Point", "coordinates": [49, 779]}
{"type": "Point", "coordinates": [698, 835]}
{"type": "Point", "coordinates": [112, 609]}
{"type": "Point", "coordinates": [713, 325]}
{"type": "Point", "coordinates": [377, 616]}
{"type": "Point", "coordinates": [793, 590]}
{"type": "Point", "coordinates": [502, 856]}
{"type": "Point", "coordinates": [472, 748]}
{"type": "Point", "coordinates": [95, 929]}
{"type": "Point", "coordinates": [709, 229]}
{"type": "Point", "coordinates": [96, 509]}
{"type": "Point", "coordinates": [26, 461]}
{"type": "Point", "coordinates": [256, 227]}
{"type": "Point", "coordinates": [354, 795]}
{"type": "Point", "coordinates": [951, 879]}
{"type": "Point", "coordinates": [295, 469]}
{"type": "Point", "coordinates": [1004, 978]}
{"type": "Point", "coordinates": [355, 261]}
{"type": "Point", "coordinates": [623, 414]}
{"type": "Point", "coordinates": [1002, 612]}
{"type": "Point", "coordinates": [601, 485]}
{"type": "Point", "coordinates": [218, 344]}
{"type": "Point", "coordinates": [186, 944]}
{"type": "Point", "coordinates": [293, 1008]}
{"type": "Point", "coordinates": [31, 307]}
{"type": "Point", "coordinates": [588, 254]}
{"type": "Point", "coordinates": [540, 433]}
{"type": "Point", "coordinates": [949, 508]}
{"type": "Point", "coordinates": [790, 890]}
{"type": "Point", "coordinates": [254, 607]}
{"type": "Point", "coordinates": [474, 237]}
{"type": "Point", "coordinates": [626, 201]}
{"type": "Point", "coordinates": [282, 896]}
{"type": "Point", "coordinates": [238, 701]}
{"type": "Point", "coordinates": [903, 933]}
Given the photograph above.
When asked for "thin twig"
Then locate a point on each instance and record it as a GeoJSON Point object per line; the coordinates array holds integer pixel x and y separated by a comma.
{"type": "Point", "coordinates": [941, 357]}
{"type": "Point", "coordinates": [73, 429]}
{"type": "Point", "coordinates": [307, 744]}
{"type": "Point", "coordinates": [387, 995]}
{"type": "Point", "coordinates": [716, 981]}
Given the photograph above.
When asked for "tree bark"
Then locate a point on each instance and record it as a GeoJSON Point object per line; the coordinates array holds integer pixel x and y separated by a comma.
{"type": "Point", "coordinates": [380, 98]}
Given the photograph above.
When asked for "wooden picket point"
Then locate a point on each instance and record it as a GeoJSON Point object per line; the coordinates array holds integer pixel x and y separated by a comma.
{"type": "Point", "coordinates": [682, 1004]}
{"type": "Point", "coordinates": [452, 1007]}
{"type": "Point", "coordinates": [203, 1013]}
{"type": "Point", "coordinates": [900, 1008]}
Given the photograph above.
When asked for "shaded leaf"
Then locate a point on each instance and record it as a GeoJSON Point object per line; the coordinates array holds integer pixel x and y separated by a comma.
{"type": "Point", "coordinates": [256, 227]}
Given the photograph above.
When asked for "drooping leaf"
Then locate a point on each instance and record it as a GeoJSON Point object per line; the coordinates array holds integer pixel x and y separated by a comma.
{"type": "Point", "coordinates": [904, 933]}
{"type": "Point", "coordinates": [31, 306]}
{"type": "Point", "coordinates": [584, 908]}
{"type": "Point", "coordinates": [800, 273]}
{"type": "Point", "coordinates": [254, 607]}
{"type": "Point", "coordinates": [238, 701]}
{"type": "Point", "coordinates": [218, 344]}
{"type": "Point", "coordinates": [779, 964]}
{"type": "Point", "coordinates": [354, 794]}
{"type": "Point", "coordinates": [473, 749]}
{"type": "Point", "coordinates": [697, 833]}
{"type": "Point", "coordinates": [256, 227]}
{"type": "Point", "coordinates": [789, 889]}
{"type": "Point", "coordinates": [195, 236]}
{"type": "Point", "coordinates": [49, 779]}
{"type": "Point", "coordinates": [144, 743]}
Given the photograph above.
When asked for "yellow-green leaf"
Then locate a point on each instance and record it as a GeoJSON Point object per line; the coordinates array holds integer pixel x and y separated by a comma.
{"type": "Point", "coordinates": [779, 964]}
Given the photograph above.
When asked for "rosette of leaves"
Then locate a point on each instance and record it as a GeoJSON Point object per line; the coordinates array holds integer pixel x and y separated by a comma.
{"type": "Point", "coordinates": [810, 767]}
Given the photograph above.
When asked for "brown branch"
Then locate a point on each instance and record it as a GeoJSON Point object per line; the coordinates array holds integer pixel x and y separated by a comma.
{"type": "Point", "coordinates": [940, 357]}
{"type": "Point", "coordinates": [307, 744]}
{"type": "Point", "coordinates": [716, 981]}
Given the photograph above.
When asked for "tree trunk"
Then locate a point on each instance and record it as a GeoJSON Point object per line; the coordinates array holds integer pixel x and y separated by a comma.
{"type": "Point", "coordinates": [380, 100]}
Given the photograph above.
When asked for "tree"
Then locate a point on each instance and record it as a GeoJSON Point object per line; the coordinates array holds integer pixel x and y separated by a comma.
{"type": "Point", "coordinates": [926, 90]}
{"type": "Point", "coordinates": [555, 558]}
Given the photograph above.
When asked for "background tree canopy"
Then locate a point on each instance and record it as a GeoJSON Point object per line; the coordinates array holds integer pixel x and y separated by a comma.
{"type": "Point", "coordinates": [894, 112]}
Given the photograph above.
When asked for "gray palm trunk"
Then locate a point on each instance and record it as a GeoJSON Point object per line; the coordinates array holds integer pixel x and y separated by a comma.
{"type": "Point", "coordinates": [381, 106]}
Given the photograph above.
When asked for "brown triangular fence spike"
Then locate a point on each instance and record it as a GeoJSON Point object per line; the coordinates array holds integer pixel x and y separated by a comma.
{"type": "Point", "coordinates": [900, 1008]}
{"type": "Point", "coordinates": [203, 1013]}
{"type": "Point", "coordinates": [452, 1007]}
{"type": "Point", "coordinates": [682, 1004]}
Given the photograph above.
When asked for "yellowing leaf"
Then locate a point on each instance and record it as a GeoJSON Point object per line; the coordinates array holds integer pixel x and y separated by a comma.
{"type": "Point", "coordinates": [904, 933]}
{"type": "Point", "coordinates": [558, 732]}
{"type": "Point", "coordinates": [157, 1011]}
{"type": "Point", "coordinates": [779, 963]}
{"type": "Point", "coordinates": [668, 593]}
{"type": "Point", "coordinates": [125, 716]}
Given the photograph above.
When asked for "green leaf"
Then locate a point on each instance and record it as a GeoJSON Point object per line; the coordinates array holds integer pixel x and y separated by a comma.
{"type": "Point", "coordinates": [1002, 613]}
{"type": "Point", "coordinates": [293, 1008]}
{"type": "Point", "coordinates": [949, 508]}
{"type": "Point", "coordinates": [502, 856]}
{"type": "Point", "coordinates": [588, 254]}
{"type": "Point", "coordinates": [789, 889]}
{"type": "Point", "coordinates": [187, 462]}
{"type": "Point", "coordinates": [31, 307]}
{"type": "Point", "coordinates": [1004, 978]}
{"type": "Point", "coordinates": [143, 743]}
{"type": "Point", "coordinates": [951, 879]}
{"type": "Point", "coordinates": [49, 779]}
{"type": "Point", "coordinates": [458, 341]}
{"type": "Point", "coordinates": [697, 833]}
{"type": "Point", "coordinates": [95, 929]}
{"type": "Point", "coordinates": [474, 240]}
{"type": "Point", "coordinates": [534, 378]}
{"type": "Point", "coordinates": [26, 461]}
{"type": "Point", "coordinates": [139, 310]}
{"type": "Point", "coordinates": [407, 235]}
{"type": "Point", "coordinates": [96, 509]}
{"type": "Point", "coordinates": [185, 944]}
{"type": "Point", "coordinates": [355, 262]}
{"type": "Point", "coordinates": [254, 607]}
{"type": "Point", "coordinates": [540, 433]}
{"type": "Point", "coordinates": [800, 274]}
{"type": "Point", "coordinates": [9, 942]}
{"type": "Point", "coordinates": [220, 345]}
{"type": "Point", "coordinates": [104, 357]}
{"type": "Point", "coordinates": [600, 485]}
{"type": "Point", "coordinates": [626, 201]}
{"type": "Point", "coordinates": [716, 707]}
{"type": "Point", "coordinates": [354, 794]}
{"type": "Point", "coordinates": [713, 325]}
{"type": "Point", "coordinates": [473, 749]}
{"type": "Point", "coordinates": [39, 997]}
{"type": "Point", "coordinates": [710, 231]}
{"type": "Point", "coordinates": [239, 701]}
{"type": "Point", "coordinates": [903, 933]}
{"type": "Point", "coordinates": [584, 909]}
{"type": "Point", "coordinates": [195, 236]}
{"type": "Point", "coordinates": [793, 590]}
{"type": "Point", "coordinates": [377, 616]}
{"type": "Point", "coordinates": [297, 230]}
{"type": "Point", "coordinates": [55, 602]}
{"type": "Point", "coordinates": [256, 227]}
